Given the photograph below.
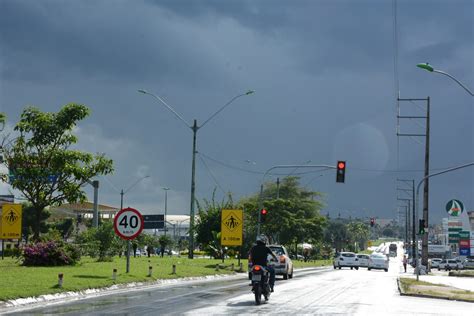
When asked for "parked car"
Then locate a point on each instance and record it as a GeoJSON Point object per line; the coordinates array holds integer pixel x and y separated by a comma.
{"type": "Point", "coordinates": [469, 262]}
{"type": "Point", "coordinates": [435, 262]}
{"type": "Point", "coordinates": [460, 262]}
{"type": "Point", "coordinates": [363, 260]}
{"type": "Point", "coordinates": [448, 264]}
{"type": "Point", "coordinates": [346, 259]}
{"type": "Point", "coordinates": [378, 261]}
{"type": "Point", "coordinates": [284, 266]}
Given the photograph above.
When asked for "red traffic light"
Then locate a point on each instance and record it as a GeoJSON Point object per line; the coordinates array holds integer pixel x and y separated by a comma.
{"type": "Point", "coordinates": [341, 165]}
{"type": "Point", "coordinates": [264, 212]}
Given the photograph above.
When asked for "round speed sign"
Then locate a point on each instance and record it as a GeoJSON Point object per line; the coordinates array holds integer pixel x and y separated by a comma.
{"type": "Point", "coordinates": [128, 223]}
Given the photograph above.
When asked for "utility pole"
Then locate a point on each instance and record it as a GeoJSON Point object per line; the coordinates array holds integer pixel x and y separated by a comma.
{"type": "Point", "coordinates": [424, 242]}
{"type": "Point", "coordinates": [424, 248]}
{"type": "Point", "coordinates": [278, 188]}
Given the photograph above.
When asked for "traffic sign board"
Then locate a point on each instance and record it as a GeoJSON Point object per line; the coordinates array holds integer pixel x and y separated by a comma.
{"type": "Point", "coordinates": [231, 227]}
{"type": "Point", "coordinates": [10, 221]}
{"type": "Point", "coordinates": [128, 223]}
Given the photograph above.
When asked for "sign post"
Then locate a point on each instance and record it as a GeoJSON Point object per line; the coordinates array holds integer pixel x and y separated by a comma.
{"type": "Point", "coordinates": [128, 224]}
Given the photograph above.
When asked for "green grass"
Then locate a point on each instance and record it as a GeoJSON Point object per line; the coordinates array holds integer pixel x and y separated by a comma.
{"type": "Point", "coordinates": [19, 281]}
{"type": "Point", "coordinates": [465, 273]}
{"type": "Point", "coordinates": [410, 286]}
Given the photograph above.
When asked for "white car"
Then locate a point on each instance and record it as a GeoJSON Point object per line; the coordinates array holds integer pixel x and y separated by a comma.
{"type": "Point", "coordinates": [378, 261]}
{"type": "Point", "coordinates": [346, 259]}
{"type": "Point", "coordinates": [363, 260]}
{"type": "Point", "coordinates": [284, 266]}
{"type": "Point", "coordinates": [435, 262]}
{"type": "Point", "coordinates": [448, 264]}
{"type": "Point", "coordinates": [469, 262]}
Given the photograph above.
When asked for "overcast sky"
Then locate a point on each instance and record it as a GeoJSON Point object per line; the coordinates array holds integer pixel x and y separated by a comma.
{"type": "Point", "coordinates": [325, 90]}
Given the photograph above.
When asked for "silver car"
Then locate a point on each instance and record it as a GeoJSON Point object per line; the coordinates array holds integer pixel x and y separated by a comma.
{"type": "Point", "coordinates": [346, 259]}
{"type": "Point", "coordinates": [435, 262]}
{"type": "Point", "coordinates": [448, 265]}
{"type": "Point", "coordinates": [469, 262]}
{"type": "Point", "coordinates": [284, 265]}
{"type": "Point", "coordinates": [378, 261]}
{"type": "Point", "coordinates": [363, 260]}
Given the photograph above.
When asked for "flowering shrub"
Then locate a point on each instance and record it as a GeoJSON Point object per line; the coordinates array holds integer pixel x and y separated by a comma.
{"type": "Point", "coordinates": [50, 253]}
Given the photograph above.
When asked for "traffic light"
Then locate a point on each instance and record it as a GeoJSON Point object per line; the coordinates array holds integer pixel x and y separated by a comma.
{"type": "Point", "coordinates": [421, 227]}
{"type": "Point", "coordinates": [341, 171]}
{"type": "Point", "coordinates": [263, 215]}
{"type": "Point", "coordinates": [372, 222]}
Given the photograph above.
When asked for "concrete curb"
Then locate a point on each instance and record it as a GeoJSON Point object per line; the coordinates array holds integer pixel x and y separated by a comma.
{"type": "Point", "coordinates": [428, 296]}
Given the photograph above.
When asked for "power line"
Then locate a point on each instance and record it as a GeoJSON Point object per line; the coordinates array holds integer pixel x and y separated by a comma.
{"type": "Point", "coordinates": [212, 175]}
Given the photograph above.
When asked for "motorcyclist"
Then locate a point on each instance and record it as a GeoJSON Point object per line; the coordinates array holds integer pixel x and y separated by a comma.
{"type": "Point", "coordinates": [259, 256]}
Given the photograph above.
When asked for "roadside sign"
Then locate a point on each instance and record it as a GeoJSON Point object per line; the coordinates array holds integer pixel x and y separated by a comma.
{"type": "Point", "coordinates": [454, 207]}
{"type": "Point", "coordinates": [231, 227]}
{"type": "Point", "coordinates": [464, 234]}
{"type": "Point", "coordinates": [128, 223]}
{"type": "Point", "coordinates": [10, 221]}
{"type": "Point", "coordinates": [154, 221]}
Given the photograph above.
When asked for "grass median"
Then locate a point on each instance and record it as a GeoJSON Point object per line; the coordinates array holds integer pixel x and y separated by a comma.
{"type": "Point", "coordinates": [412, 287]}
{"type": "Point", "coordinates": [19, 281]}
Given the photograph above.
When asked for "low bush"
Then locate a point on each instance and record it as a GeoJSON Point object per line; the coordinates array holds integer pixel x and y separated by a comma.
{"type": "Point", "coordinates": [50, 253]}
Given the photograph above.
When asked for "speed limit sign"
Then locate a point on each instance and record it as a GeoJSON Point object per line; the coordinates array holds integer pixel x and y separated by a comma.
{"type": "Point", "coordinates": [128, 223]}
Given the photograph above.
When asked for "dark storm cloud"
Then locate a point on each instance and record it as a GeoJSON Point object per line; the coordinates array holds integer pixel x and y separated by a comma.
{"type": "Point", "coordinates": [46, 41]}
{"type": "Point", "coordinates": [323, 72]}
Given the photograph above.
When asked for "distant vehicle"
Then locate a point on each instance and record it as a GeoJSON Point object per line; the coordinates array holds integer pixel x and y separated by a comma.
{"type": "Point", "coordinates": [378, 261]}
{"type": "Point", "coordinates": [459, 262]}
{"type": "Point", "coordinates": [469, 262]}
{"type": "Point", "coordinates": [392, 250]}
{"type": "Point", "coordinates": [284, 266]}
{"type": "Point", "coordinates": [448, 265]}
{"type": "Point", "coordinates": [346, 259]}
{"type": "Point", "coordinates": [435, 262]}
{"type": "Point", "coordinates": [363, 260]}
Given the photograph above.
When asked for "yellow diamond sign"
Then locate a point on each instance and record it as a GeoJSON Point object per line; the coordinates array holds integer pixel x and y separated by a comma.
{"type": "Point", "coordinates": [231, 227]}
{"type": "Point", "coordinates": [11, 221]}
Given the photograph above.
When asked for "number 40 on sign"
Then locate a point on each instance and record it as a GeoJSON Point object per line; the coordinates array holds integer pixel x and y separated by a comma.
{"type": "Point", "coordinates": [128, 223]}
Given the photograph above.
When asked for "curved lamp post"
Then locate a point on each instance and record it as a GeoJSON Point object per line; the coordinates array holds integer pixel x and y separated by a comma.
{"type": "Point", "coordinates": [194, 128]}
{"type": "Point", "coordinates": [122, 193]}
{"type": "Point", "coordinates": [430, 68]}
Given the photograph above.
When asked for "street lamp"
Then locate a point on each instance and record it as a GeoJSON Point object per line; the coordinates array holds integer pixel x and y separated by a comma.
{"type": "Point", "coordinates": [166, 204]}
{"type": "Point", "coordinates": [194, 128]}
{"type": "Point", "coordinates": [122, 193]}
{"type": "Point", "coordinates": [430, 68]}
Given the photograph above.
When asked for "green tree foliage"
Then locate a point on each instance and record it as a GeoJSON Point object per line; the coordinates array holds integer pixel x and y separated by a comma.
{"type": "Point", "coordinates": [29, 220]}
{"type": "Point", "coordinates": [44, 167]}
{"type": "Point", "coordinates": [358, 233]}
{"type": "Point", "coordinates": [292, 218]}
{"type": "Point", "coordinates": [343, 234]}
{"type": "Point", "coordinates": [101, 243]}
{"type": "Point", "coordinates": [208, 224]}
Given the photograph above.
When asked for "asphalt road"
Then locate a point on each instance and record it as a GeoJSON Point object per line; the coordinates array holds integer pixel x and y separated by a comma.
{"type": "Point", "coordinates": [322, 291]}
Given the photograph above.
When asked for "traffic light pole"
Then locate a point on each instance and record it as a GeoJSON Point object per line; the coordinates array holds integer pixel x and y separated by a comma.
{"type": "Point", "coordinates": [260, 199]}
{"type": "Point", "coordinates": [417, 206]}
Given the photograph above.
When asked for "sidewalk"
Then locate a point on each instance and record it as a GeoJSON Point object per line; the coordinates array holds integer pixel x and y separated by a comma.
{"type": "Point", "coordinates": [439, 278]}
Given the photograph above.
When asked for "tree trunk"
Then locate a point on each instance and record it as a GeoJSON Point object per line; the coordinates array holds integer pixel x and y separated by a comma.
{"type": "Point", "coordinates": [37, 224]}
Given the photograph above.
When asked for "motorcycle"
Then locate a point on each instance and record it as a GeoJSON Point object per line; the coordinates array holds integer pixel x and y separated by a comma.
{"type": "Point", "coordinates": [260, 283]}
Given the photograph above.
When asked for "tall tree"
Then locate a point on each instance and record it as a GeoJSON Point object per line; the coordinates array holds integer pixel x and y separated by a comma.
{"type": "Point", "coordinates": [41, 163]}
{"type": "Point", "coordinates": [292, 218]}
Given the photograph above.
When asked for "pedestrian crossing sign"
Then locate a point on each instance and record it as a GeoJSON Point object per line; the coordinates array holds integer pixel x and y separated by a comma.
{"type": "Point", "coordinates": [231, 227]}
